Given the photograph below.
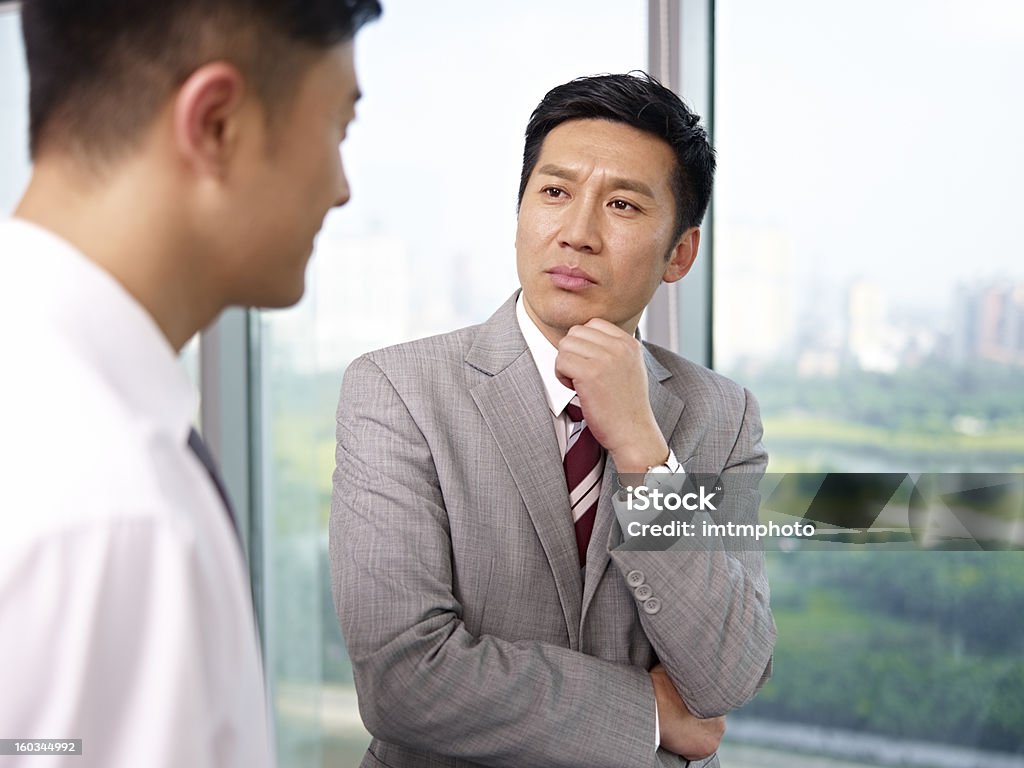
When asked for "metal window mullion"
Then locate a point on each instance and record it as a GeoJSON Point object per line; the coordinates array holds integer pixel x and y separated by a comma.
{"type": "Point", "coordinates": [681, 56]}
{"type": "Point", "coordinates": [229, 387]}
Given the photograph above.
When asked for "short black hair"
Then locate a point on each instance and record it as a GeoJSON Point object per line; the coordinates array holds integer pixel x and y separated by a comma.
{"type": "Point", "coordinates": [99, 70]}
{"type": "Point", "coordinates": [638, 100]}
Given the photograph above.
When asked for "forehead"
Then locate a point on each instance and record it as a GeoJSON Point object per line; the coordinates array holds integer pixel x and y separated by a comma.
{"type": "Point", "coordinates": [609, 149]}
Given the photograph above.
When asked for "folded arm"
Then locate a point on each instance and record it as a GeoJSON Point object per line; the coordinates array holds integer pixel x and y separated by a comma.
{"type": "Point", "coordinates": [713, 632]}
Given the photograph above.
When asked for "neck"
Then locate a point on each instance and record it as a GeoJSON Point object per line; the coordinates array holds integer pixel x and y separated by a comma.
{"type": "Point", "coordinates": [124, 224]}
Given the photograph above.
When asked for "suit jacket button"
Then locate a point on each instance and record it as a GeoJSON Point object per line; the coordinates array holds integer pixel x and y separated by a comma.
{"type": "Point", "coordinates": [643, 592]}
{"type": "Point", "coordinates": [652, 606]}
{"type": "Point", "coordinates": [635, 578]}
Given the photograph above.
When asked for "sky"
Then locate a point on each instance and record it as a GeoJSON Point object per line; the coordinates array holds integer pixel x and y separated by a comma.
{"type": "Point", "coordinates": [882, 139]}
{"type": "Point", "coordinates": [872, 139]}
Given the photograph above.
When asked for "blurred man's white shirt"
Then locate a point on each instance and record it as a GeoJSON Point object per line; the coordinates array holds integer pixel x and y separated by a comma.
{"type": "Point", "coordinates": [125, 611]}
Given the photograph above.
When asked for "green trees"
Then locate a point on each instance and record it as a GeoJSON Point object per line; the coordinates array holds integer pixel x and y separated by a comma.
{"type": "Point", "coordinates": [921, 645]}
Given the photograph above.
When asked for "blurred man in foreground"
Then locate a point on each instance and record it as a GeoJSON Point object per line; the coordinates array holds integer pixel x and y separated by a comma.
{"type": "Point", "coordinates": [185, 154]}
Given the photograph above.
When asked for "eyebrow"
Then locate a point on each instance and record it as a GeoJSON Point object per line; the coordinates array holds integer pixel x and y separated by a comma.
{"type": "Point", "coordinates": [617, 182]}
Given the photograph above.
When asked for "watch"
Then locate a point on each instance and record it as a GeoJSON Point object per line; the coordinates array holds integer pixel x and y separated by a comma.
{"type": "Point", "coordinates": [668, 477]}
{"type": "Point", "coordinates": [669, 466]}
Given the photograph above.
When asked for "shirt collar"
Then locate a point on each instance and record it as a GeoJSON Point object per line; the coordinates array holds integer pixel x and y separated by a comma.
{"type": "Point", "coordinates": [544, 354]}
{"type": "Point", "coordinates": [61, 289]}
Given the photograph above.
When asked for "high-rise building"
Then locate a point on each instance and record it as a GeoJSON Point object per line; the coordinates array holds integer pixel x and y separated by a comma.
{"type": "Point", "coordinates": [990, 324]}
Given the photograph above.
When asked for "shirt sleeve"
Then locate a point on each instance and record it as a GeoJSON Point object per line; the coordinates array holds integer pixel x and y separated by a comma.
{"type": "Point", "coordinates": [102, 639]}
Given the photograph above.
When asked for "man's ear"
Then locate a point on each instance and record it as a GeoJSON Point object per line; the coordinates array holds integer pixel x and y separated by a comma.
{"type": "Point", "coordinates": [682, 256]}
{"type": "Point", "coordinates": [208, 117]}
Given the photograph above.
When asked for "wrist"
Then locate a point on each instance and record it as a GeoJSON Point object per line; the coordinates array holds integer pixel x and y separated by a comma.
{"type": "Point", "coordinates": [638, 458]}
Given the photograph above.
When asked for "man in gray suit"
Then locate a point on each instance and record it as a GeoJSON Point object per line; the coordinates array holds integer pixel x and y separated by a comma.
{"type": "Point", "coordinates": [492, 613]}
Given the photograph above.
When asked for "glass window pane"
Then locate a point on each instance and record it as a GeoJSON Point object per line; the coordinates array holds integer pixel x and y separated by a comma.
{"type": "Point", "coordinates": [425, 246]}
{"type": "Point", "coordinates": [14, 160]}
{"type": "Point", "coordinates": [869, 290]}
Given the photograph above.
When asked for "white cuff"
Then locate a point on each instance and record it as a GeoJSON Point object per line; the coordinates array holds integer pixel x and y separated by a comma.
{"type": "Point", "coordinates": [668, 478]}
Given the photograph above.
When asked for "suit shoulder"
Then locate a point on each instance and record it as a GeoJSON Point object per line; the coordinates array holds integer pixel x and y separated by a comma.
{"type": "Point", "coordinates": [723, 415]}
{"type": "Point", "coordinates": [430, 357]}
{"type": "Point", "coordinates": [694, 381]}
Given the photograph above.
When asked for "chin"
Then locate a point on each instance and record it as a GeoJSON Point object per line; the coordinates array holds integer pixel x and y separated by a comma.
{"type": "Point", "coordinates": [280, 296]}
{"type": "Point", "coordinates": [290, 299]}
{"type": "Point", "coordinates": [565, 309]}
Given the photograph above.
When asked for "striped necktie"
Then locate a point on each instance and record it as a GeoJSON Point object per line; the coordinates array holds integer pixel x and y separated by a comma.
{"type": "Point", "coordinates": [584, 465]}
{"type": "Point", "coordinates": [195, 442]}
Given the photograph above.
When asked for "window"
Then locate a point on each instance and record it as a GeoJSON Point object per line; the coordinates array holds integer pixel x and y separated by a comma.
{"type": "Point", "coordinates": [14, 161]}
{"type": "Point", "coordinates": [868, 289]}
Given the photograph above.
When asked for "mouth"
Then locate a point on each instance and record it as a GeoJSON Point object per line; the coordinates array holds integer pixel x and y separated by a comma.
{"type": "Point", "coordinates": [570, 278]}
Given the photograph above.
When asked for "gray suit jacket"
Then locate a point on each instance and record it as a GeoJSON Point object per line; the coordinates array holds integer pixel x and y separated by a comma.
{"type": "Point", "coordinates": [474, 639]}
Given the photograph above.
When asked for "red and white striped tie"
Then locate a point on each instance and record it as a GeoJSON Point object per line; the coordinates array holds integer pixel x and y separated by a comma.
{"type": "Point", "coordinates": [584, 466]}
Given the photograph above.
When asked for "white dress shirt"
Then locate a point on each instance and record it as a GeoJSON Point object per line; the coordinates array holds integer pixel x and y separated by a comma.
{"type": "Point", "coordinates": [544, 354]}
{"type": "Point", "coordinates": [125, 612]}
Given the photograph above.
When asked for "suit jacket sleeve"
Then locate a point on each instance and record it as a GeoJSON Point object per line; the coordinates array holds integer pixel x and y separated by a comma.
{"type": "Point", "coordinates": [422, 679]}
{"type": "Point", "coordinates": [714, 632]}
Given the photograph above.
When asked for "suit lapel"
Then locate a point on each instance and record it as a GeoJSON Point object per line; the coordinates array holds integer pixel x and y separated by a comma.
{"type": "Point", "coordinates": [667, 409]}
{"type": "Point", "coordinates": [512, 402]}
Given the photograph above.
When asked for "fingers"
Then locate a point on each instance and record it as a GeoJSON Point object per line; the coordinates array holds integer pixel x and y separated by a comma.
{"type": "Point", "coordinates": [600, 333]}
{"type": "Point", "coordinates": [707, 739]}
{"type": "Point", "coordinates": [604, 326]}
{"type": "Point", "coordinates": [587, 352]}
{"type": "Point", "coordinates": [586, 343]}
{"type": "Point", "coordinates": [681, 732]}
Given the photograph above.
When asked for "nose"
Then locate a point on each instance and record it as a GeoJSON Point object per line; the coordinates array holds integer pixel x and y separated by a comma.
{"type": "Point", "coordinates": [580, 226]}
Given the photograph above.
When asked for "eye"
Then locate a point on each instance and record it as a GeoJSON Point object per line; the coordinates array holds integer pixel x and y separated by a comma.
{"type": "Point", "coordinates": [553, 192]}
{"type": "Point", "coordinates": [622, 205]}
